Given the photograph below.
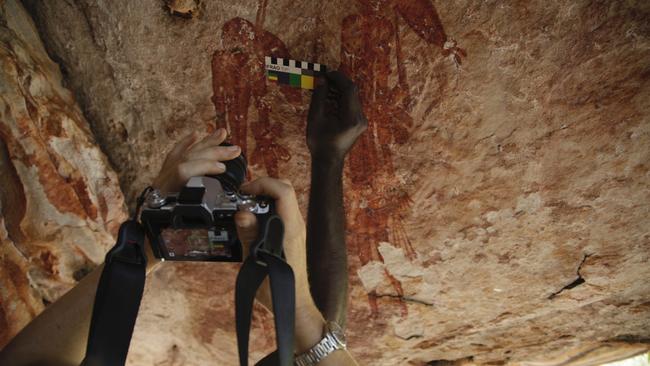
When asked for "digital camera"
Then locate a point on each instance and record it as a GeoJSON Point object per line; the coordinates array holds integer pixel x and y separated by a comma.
{"type": "Point", "coordinates": [197, 223]}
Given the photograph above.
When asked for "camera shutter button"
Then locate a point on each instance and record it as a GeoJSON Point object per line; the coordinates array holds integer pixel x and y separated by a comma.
{"type": "Point", "coordinates": [247, 205]}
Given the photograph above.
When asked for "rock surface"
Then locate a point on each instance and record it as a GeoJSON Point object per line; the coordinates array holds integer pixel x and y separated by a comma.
{"type": "Point", "coordinates": [497, 205]}
{"type": "Point", "coordinates": [60, 201]}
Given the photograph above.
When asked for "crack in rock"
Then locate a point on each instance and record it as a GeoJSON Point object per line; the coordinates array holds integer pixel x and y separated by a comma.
{"type": "Point", "coordinates": [575, 283]}
{"type": "Point", "coordinates": [406, 299]}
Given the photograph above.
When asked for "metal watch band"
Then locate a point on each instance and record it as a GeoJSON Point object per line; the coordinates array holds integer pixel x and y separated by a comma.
{"type": "Point", "coordinates": [322, 349]}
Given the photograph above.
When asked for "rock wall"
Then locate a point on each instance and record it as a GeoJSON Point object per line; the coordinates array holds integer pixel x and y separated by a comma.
{"type": "Point", "coordinates": [497, 205]}
{"type": "Point", "coordinates": [60, 201]}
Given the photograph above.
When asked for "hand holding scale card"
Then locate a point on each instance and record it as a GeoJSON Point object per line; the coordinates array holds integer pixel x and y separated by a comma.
{"type": "Point", "coordinates": [291, 72]}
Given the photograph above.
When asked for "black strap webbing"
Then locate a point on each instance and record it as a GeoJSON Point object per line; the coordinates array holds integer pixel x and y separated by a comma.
{"type": "Point", "coordinates": [117, 299]}
{"type": "Point", "coordinates": [249, 279]}
{"type": "Point", "coordinates": [121, 285]}
{"type": "Point", "coordinates": [266, 258]}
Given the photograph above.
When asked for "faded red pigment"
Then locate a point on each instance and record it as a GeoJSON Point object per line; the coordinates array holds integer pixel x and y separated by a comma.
{"type": "Point", "coordinates": [372, 171]}
{"type": "Point", "coordinates": [238, 79]}
{"type": "Point", "coordinates": [368, 39]}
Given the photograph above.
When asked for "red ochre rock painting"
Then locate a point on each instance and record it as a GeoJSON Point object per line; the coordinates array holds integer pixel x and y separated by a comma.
{"type": "Point", "coordinates": [60, 201]}
{"type": "Point", "coordinates": [536, 157]}
{"type": "Point", "coordinates": [238, 81]}
{"type": "Point", "coordinates": [383, 198]}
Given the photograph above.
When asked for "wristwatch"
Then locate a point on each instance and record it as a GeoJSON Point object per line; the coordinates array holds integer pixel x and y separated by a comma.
{"type": "Point", "coordinates": [333, 339]}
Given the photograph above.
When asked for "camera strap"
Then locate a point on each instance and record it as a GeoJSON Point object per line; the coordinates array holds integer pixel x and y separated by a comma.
{"type": "Point", "coordinates": [118, 295]}
{"type": "Point", "coordinates": [267, 259]}
{"type": "Point", "coordinates": [117, 299]}
{"type": "Point", "coordinates": [121, 286]}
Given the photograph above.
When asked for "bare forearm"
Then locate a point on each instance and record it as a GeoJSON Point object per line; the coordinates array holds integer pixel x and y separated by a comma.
{"type": "Point", "coordinates": [326, 249]}
{"type": "Point", "coordinates": [58, 336]}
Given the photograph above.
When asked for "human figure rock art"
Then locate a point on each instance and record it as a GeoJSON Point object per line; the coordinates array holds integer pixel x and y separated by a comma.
{"type": "Point", "coordinates": [238, 81]}
{"type": "Point", "coordinates": [368, 40]}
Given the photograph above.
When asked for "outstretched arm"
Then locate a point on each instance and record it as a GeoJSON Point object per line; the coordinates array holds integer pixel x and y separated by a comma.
{"type": "Point", "coordinates": [335, 122]}
{"type": "Point", "coordinates": [58, 336]}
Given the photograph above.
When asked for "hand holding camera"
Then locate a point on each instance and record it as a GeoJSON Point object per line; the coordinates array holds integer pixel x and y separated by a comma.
{"type": "Point", "coordinates": [190, 159]}
{"type": "Point", "coordinates": [196, 223]}
{"type": "Point", "coordinates": [286, 205]}
{"type": "Point", "coordinates": [204, 211]}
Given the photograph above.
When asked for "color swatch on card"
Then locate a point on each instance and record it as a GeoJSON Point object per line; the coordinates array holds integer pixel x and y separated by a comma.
{"type": "Point", "coordinates": [299, 74]}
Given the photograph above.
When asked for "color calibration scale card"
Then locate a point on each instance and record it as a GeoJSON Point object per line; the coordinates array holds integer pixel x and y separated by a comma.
{"type": "Point", "coordinates": [291, 72]}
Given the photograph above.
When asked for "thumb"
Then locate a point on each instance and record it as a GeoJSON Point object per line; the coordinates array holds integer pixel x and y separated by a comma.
{"type": "Point", "coordinates": [246, 223]}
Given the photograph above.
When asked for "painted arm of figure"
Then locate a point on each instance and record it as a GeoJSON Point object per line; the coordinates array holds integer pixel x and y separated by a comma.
{"type": "Point", "coordinates": [58, 336]}
{"type": "Point", "coordinates": [423, 18]}
{"type": "Point", "coordinates": [334, 123]}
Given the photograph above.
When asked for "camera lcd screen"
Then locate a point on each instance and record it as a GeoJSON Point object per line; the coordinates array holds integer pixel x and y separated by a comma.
{"type": "Point", "coordinates": [196, 243]}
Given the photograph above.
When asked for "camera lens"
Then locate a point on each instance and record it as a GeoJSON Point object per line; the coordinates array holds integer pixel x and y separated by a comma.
{"type": "Point", "coordinates": [235, 173]}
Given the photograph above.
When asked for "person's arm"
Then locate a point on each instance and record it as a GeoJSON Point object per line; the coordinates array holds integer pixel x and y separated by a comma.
{"type": "Point", "coordinates": [335, 122]}
{"type": "Point", "coordinates": [58, 335]}
{"type": "Point", "coordinates": [309, 321]}
{"type": "Point", "coordinates": [309, 331]}
{"type": "Point", "coordinates": [326, 251]}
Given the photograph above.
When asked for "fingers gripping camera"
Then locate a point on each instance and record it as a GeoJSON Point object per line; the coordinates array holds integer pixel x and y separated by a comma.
{"type": "Point", "coordinates": [198, 223]}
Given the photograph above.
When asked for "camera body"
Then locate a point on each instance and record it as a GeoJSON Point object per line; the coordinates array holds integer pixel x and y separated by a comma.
{"type": "Point", "coordinates": [198, 223]}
